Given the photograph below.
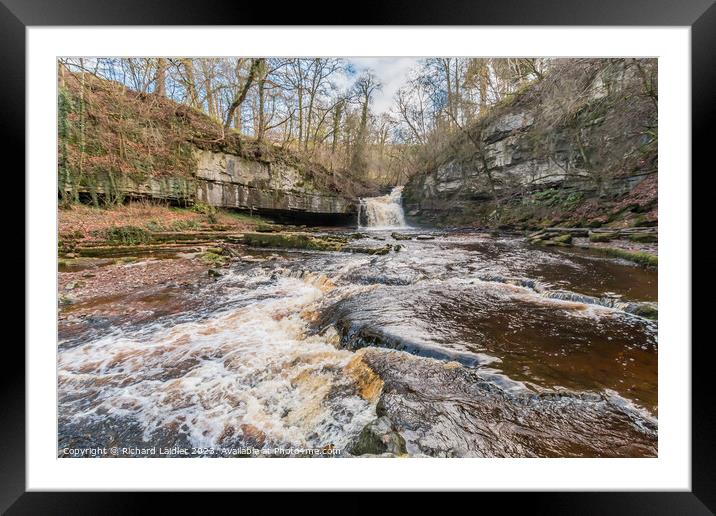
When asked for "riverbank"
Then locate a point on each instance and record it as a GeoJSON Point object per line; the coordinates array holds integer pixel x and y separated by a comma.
{"type": "Point", "coordinates": [206, 329]}
{"type": "Point", "coordinates": [136, 261]}
{"type": "Point", "coordinates": [110, 252]}
{"type": "Point", "coordinates": [88, 234]}
{"type": "Point", "coordinates": [294, 346]}
{"type": "Point", "coordinates": [86, 223]}
{"type": "Point", "coordinates": [635, 244]}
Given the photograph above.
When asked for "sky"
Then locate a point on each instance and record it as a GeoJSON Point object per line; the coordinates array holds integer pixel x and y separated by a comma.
{"type": "Point", "coordinates": [392, 72]}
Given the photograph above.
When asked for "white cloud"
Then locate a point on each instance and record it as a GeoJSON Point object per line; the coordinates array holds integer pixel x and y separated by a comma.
{"type": "Point", "coordinates": [392, 72]}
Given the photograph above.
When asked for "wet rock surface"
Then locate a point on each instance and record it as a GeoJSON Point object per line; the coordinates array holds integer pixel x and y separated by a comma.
{"type": "Point", "coordinates": [467, 344]}
{"type": "Point", "coordinates": [444, 410]}
{"type": "Point", "coordinates": [378, 437]}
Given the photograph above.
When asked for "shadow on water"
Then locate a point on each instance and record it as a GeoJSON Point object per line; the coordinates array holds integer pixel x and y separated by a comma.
{"type": "Point", "coordinates": [574, 269]}
{"type": "Point", "coordinates": [268, 354]}
{"type": "Point", "coordinates": [546, 343]}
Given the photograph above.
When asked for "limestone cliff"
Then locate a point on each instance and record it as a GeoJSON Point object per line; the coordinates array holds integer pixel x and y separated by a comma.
{"type": "Point", "coordinates": [115, 143]}
{"type": "Point", "coordinates": [578, 147]}
{"type": "Point", "coordinates": [232, 181]}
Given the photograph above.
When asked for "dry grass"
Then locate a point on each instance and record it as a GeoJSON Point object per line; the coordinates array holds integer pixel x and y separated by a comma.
{"type": "Point", "coordinates": [87, 221]}
{"type": "Point", "coordinates": [112, 130]}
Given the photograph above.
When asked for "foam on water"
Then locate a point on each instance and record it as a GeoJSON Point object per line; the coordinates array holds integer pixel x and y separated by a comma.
{"type": "Point", "coordinates": [266, 351]}
{"type": "Point", "coordinates": [253, 365]}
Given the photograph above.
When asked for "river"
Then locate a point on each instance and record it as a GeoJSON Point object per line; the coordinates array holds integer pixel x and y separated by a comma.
{"type": "Point", "coordinates": [459, 344]}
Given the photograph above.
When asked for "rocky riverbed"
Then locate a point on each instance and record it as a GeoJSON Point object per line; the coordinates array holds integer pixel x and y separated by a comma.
{"type": "Point", "coordinates": [360, 343]}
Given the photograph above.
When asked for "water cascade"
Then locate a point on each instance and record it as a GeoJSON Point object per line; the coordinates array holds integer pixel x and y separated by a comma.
{"type": "Point", "coordinates": [446, 342]}
{"type": "Point", "coordinates": [385, 211]}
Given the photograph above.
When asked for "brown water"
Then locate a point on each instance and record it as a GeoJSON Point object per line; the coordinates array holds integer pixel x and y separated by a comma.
{"type": "Point", "coordinates": [474, 357]}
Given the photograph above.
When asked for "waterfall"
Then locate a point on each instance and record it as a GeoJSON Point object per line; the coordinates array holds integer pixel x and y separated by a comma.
{"type": "Point", "coordinates": [385, 211]}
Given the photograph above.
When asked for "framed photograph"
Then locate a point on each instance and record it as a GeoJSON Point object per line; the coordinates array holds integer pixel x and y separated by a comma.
{"type": "Point", "coordinates": [420, 252]}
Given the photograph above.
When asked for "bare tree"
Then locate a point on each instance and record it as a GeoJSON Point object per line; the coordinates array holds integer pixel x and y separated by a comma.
{"type": "Point", "coordinates": [365, 86]}
{"type": "Point", "coordinates": [160, 79]}
{"type": "Point", "coordinates": [243, 91]}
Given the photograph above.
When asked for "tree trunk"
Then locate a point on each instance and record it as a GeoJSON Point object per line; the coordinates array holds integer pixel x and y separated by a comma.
{"type": "Point", "coordinates": [255, 64]}
{"type": "Point", "coordinates": [456, 86]}
{"type": "Point", "coordinates": [484, 78]}
{"type": "Point", "coordinates": [336, 125]}
{"type": "Point", "coordinates": [161, 81]}
{"type": "Point", "coordinates": [262, 97]}
{"type": "Point", "coordinates": [300, 116]}
{"type": "Point", "coordinates": [62, 75]}
{"type": "Point", "coordinates": [188, 66]}
{"type": "Point", "coordinates": [211, 107]}
{"type": "Point", "coordinates": [448, 80]}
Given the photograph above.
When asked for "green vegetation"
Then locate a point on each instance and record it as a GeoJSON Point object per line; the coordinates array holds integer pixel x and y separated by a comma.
{"type": "Point", "coordinates": [295, 241]}
{"type": "Point", "coordinates": [177, 225]}
{"type": "Point", "coordinates": [383, 250]}
{"type": "Point", "coordinates": [556, 198]}
{"type": "Point", "coordinates": [183, 225]}
{"type": "Point", "coordinates": [601, 237]}
{"type": "Point", "coordinates": [127, 235]}
{"type": "Point", "coordinates": [203, 208]}
{"type": "Point", "coordinates": [245, 218]}
{"type": "Point", "coordinates": [377, 438]}
{"type": "Point", "coordinates": [263, 227]}
{"type": "Point", "coordinates": [647, 310]}
{"type": "Point", "coordinates": [643, 238]}
{"type": "Point", "coordinates": [563, 239]}
{"type": "Point", "coordinates": [311, 243]}
{"type": "Point", "coordinates": [551, 239]}
{"type": "Point", "coordinates": [64, 107]}
{"type": "Point", "coordinates": [206, 209]}
{"type": "Point", "coordinates": [640, 257]}
{"type": "Point", "coordinates": [126, 259]}
{"type": "Point", "coordinates": [213, 259]}
{"type": "Point", "coordinates": [111, 140]}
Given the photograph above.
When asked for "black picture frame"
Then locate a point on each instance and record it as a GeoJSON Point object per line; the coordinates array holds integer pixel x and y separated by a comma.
{"type": "Point", "coordinates": [700, 15]}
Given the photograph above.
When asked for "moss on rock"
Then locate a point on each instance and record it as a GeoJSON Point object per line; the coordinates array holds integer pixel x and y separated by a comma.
{"type": "Point", "coordinates": [370, 250]}
{"type": "Point", "coordinates": [214, 259]}
{"type": "Point", "coordinates": [379, 437]}
{"type": "Point", "coordinates": [601, 237]}
{"type": "Point", "coordinates": [127, 235]}
{"type": "Point", "coordinates": [295, 241]}
{"type": "Point", "coordinates": [640, 257]}
{"type": "Point", "coordinates": [643, 238]}
{"type": "Point", "coordinates": [647, 310]}
{"type": "Point", "coordinates": [563, 239]}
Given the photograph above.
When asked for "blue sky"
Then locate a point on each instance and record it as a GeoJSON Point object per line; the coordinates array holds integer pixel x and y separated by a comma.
{"type": "Point", "coordinates": [392, 73]}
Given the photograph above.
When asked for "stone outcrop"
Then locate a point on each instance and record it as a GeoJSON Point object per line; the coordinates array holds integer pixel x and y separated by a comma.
{"type": "Point", "coordinates": [231, 181]}
{"type": "Point", "coordinates": [574, 137]}
{"type": "Point", "coordinates": [378, 438]}
{"type": "Point", "coordinates": [116, 144]}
